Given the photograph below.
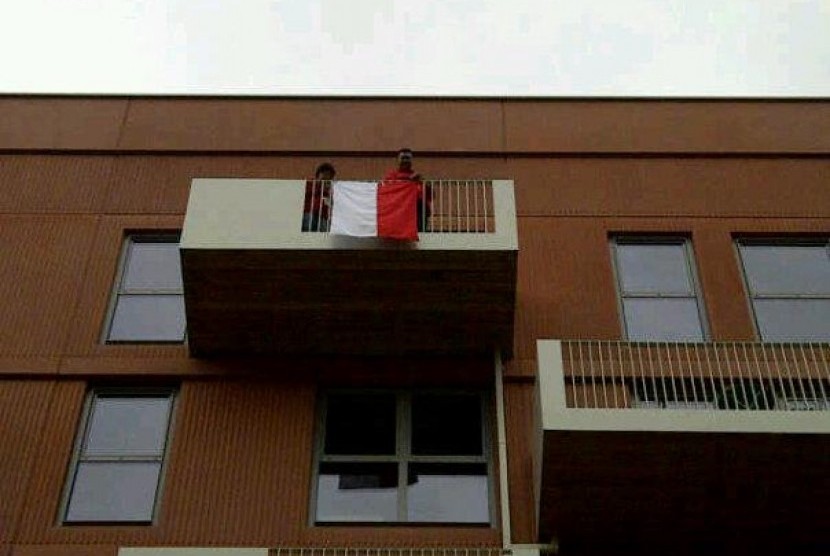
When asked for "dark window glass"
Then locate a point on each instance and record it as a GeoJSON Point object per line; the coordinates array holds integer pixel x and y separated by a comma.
{"type": "Point", "coordinates": [116, 470]}
{"type": "Point", "coordinates": [153, 266]}
{"type": "Point", "coordinates": [443, 492]}
{"type": "Point", "coordinates": [657, 289]}
{"type": "Point", "coordinates": [653, 268]}
{"type": "Point", "coordinates": [403, 457]}
{"type": "Point", "coordinates": [128, 425]}
{"type": "Point", "coordinates": [148, 304]}
{"type": "Point", "coordinates": [357, 492]}
{"type": "Point", "coordinates": [143, 318]}
{"type": "Point", "coordinates": [793, 320]}
{"type": "Point", "coordinates": [787, 269]}
{"type": "Point", "coordinates": [662, 319]}
{"type": "Point", "coordinates": [446, 424]}
{"type": "Point", "coordinates": [789, 287]}
{"type": "Point", "coordinates": [361, 424]}
{"type": "Point", "coordinates": [116, 491]}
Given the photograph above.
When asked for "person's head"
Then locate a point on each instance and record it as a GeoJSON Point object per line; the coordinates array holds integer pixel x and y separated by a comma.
{"type": "Point", "coordinates": [405, 159]}
{"type": "Point", "coordinates": [325, 171]}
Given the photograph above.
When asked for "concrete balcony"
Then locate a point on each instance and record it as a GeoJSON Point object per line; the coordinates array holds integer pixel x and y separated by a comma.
{"type": "Point", "coordinates": [256, 283]}
{"type": "Point", "coordinates": [683, 448]}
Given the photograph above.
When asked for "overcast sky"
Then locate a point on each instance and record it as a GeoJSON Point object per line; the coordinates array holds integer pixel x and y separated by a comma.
{"type": "Point", "coordinates": [418, 47]}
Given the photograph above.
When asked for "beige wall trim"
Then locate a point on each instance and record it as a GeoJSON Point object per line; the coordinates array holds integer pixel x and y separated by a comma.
{"type": "Point", "coordinates": [501, 427]}
{"type": "Point", "coordinates": [165, 551]}
{"type": "Point", "coordinates": [550, 380]}
{"type": "Point", "coordinates": [718, 421]}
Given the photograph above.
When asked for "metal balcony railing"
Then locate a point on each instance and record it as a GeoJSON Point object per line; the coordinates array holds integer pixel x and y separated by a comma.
{"type": "Point", "coordinates": [692, 376]}
{"type": "Point", "coordinates": [389, 551]}
{"type": "Point", "coordinates": [457, 206]}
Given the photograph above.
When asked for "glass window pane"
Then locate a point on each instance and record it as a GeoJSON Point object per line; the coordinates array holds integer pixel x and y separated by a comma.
{"type": "Point", "coordinates": [153, 266]}
{"type": "Point", "coordinates": [448, 493]}
{"type": "Point", "coordinates": [357, 492]}
{"type": "Point", "coordinates": [113, 492]}
{"type": "Point", "coordinates": [787, 269]}
{"type": "Point", "coordinates": [647, 268]}
{"type": "Point", "coordinates": [670, 320]}
{"type": "Point", "coordinates": [148, 318]}
{"type": "Point", "coordinates": [360, 424]}
{"type": "Point", "coordinates": [446, 424]}
{"type": "Point", "coordinates": [793, 320]}
{"type": "Point", "coordinates": [128, 426]}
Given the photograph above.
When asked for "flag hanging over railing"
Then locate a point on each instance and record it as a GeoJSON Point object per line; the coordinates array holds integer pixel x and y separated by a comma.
{"type": "Point", "coordinates": [367, 209]}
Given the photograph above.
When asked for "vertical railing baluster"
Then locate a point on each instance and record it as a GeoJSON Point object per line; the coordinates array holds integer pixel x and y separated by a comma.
{"type": "Point", "coordinates": [623, 385]}
{"type": "Point", "coordinates": [613, 375]}
{"type": "Point", "coordinates": [740, 373]}
{"type": "Point", "coordinates": [458, 206]}
{"type": "Point", "coordinates": [809, 368]}
{"type": "Point", "coordinates": [467, 200]}
{"type": "Point", "coordinates": [570, 375]}
{"type": "Point", "coordinates": [726, 381]}
{"type": "Point", "coordinates": [821, 378]}
{"type": "Point", "coordinates": [712, 386]}
{"type": "Point", "coordinates": [488, 194]}
{"type": "Point", "coordinates": [475, 204]}
{"type": "Point", "coordinates": [782, 375]}
{"type": "Point", "coordinates": [659, 349]}
{"type": "Point", "coordinates": [681, 376]}
{"type": "Point", "coordinates": [592, 374]}
{"type": "Point", "coordinates": [441, 209]}
{"type": "Point", "coordinates": [761, 379]}
{"type": "Point", "coordinates": [794, 368]}
{"type": "Point", "coordinates": [584, 387]}
{"type": "Point", "coordinates": [642, 369]}
{"type": "Point", "coordinates": [651, 372]}
{"type": "Point", "coordinates": [775, 381]}
{"type": "Point", "coordinates": [602, 375]}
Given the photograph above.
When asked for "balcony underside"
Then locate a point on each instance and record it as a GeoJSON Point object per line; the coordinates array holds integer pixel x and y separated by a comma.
{"type": "Point", "coordinates": [381, 302]}
{"type": "Point", "coordinates": [685, 492]}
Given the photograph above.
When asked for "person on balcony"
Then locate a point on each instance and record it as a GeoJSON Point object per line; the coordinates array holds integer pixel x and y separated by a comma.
{"type": "Point", "coordinates": [405, 172]}
{"type": "Point", "coordinates": [318, 199]}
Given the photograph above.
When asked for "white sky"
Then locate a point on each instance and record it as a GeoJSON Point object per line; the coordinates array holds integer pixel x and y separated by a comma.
{"type": "Point", "coordinates": [418, 47]}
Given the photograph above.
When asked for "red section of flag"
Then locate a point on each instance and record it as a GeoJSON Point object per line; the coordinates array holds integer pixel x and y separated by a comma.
{"type": "Point", "coordinates": [397, 216]}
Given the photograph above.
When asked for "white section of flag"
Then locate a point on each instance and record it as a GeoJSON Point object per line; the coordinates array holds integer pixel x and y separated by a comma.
{"type": "Point", "coordinates": [354, 209]}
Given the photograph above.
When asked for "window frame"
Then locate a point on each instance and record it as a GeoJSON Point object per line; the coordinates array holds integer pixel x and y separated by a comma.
{"type": "Point", "coordinates": [773, 241]}
{"type": "Point", "coordinates": [685, 243]}
{"type": "Point", "coordinates": [403, 456]}
{"type": "Point", "coordinates": [80, 442]}
{"type": "Point", "coordinates": [119, 289]}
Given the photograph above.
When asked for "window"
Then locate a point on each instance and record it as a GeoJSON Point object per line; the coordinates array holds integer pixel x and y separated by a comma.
{"type": "Point", "coordinates": [789, 288]}
{"type": "Point", "coordinates": [415, 457]}
{"type": "Point", "coordinates": [120, 450]}
{"type": "Point", "coordinates": [657, 289]}
{"type": "Point", "coordinates": [148, 304]}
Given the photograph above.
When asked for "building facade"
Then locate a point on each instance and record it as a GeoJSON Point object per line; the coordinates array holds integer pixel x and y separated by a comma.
{"type": "Point", "coordinates": [613, 335]}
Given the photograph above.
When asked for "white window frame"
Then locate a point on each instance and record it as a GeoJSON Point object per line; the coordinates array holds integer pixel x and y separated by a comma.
{"type": "Point", "coordinates": [78, 455]}
{"type": "Point", "coordinates": [403, 456]}
{"type": "Point", "coordinates": [119, 289]}
{"type": "Point", "coordinates": [774, 242]}
{"type": "Point", "coordinates": [696, 295]}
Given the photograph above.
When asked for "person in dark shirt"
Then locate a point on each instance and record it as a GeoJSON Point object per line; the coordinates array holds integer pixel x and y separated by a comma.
{"type": "Point", "coordinates": [405, 172]}
{"type": "Point", "coordinates": [318, 199]}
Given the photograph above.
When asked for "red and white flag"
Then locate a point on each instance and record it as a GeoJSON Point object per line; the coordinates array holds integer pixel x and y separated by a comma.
{"type": "Point", "coordinates": [366, 209]}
